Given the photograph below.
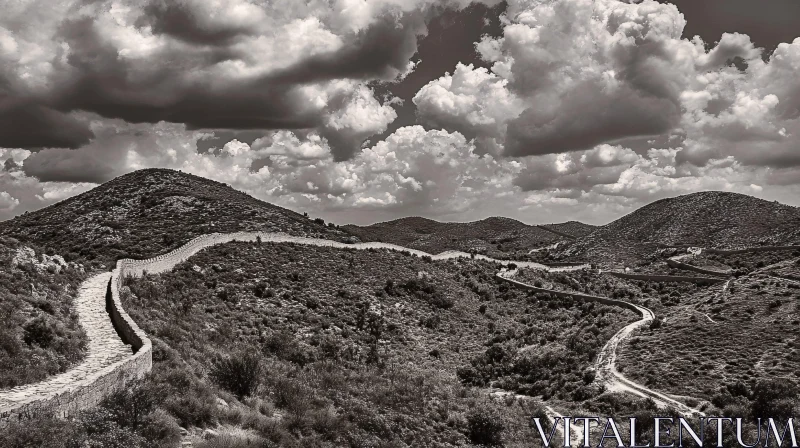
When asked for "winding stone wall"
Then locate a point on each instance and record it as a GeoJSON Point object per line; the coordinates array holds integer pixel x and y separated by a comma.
{"type": "Point", "coordinates": [688, 267]}
{"type": "Point", "coordinates": [109, 364]}
{"type": "Point", "coordinates": [668, 278]}
{"type": "Point", "coordinates": [120, 352]}
{"type": "Point", "coordinates": [751, 249]}
{"type": "Point", "coordinates": [575, 295]}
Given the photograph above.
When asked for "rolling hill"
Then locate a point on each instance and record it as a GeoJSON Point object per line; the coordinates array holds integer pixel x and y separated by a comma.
{"type": "Point", "coordinates": [148, 212]}
{"type": "Point", "coordinates": [706, 219]}
{"type": "Point", "coordinates": [493, 236]}
{"type": "Point", "coordinates": [576, 229]}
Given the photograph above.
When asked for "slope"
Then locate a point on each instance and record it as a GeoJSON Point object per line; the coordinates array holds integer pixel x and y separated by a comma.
{"type": "Point", "coordinates": [491, 236]}
{"type": "Point", "coordinates": [705, 219]}
{"type": "Point", "coordinates": [148, 212]}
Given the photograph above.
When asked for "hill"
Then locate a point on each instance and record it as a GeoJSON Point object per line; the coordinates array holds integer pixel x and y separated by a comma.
{"type": "Point", "coordinates": [706, 219]}
{"type": "Point", "coordinates": [573, 228]}
{"type": "Point", "coordinates": [498, 237]}
{"type": "Point", "coordinates": [148, 212]}
{"type": "Point", "coordinates": [48, 253]}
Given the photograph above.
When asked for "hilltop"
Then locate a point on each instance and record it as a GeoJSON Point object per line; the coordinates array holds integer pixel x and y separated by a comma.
{"type": "Point", "coordinates": [148, 212]}
{"type": "Point", "coordinates": [576, 229]}
{"type": "Point", "coordinates": [492, 236]}
{"type": "Point", "coordinates": [706, 219]}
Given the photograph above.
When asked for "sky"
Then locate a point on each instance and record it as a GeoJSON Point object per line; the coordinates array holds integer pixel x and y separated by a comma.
{"type": "Point", "coordinates": [364, 111]}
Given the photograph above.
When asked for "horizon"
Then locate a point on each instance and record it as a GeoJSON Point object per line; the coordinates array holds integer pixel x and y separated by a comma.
{"type": "Point", "coordinates": [441, 221]}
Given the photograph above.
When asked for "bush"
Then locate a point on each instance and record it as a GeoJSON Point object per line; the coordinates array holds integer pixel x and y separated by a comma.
{"type": "Point", "coordinates": [38, 332]}
{"type": "Point", "coordinates": [240, 373]}
{"type": "Point", "coordinates": [773, 398]}
{"type": "Point", "coordinates": [485, 428]}
{"type": "Point", "coordinates": [131, 407]}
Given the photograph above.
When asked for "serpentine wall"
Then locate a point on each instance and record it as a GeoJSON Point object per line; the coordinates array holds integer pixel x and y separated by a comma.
{"type": "Point", "coordinates": [111, 362]}
{"type": "Point", "coordinates": [574, 295]}
{"type": "Point", "coordinates": [751, 249]}
{"type": "Point", "coordinates": [667, 278]}
{"type": "Point", "coordinates": [673, 263]}
{"type": "Point", "coordinates": [118, 351]}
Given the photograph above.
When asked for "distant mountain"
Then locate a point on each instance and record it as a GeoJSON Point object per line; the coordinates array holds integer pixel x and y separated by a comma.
{"type": "Point", "coordinates": [572, 228]}
{"type": "Point", "coordinates": [491, 235]}
{"type": "Point", "coordinates": [705, 219]}
{"type": "Point", "coordinates": [148, 212]}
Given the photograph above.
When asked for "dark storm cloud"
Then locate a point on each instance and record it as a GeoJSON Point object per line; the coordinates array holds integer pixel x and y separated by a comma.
{"type": "Point", "coordinates": [382, 51]}
{"type": "Point", "coordinates": [176, 84]}
{"type": "Point", "coordinates": [179, 20]}
{"type": "Point", "coordinates": [101, 82]}
{"type": "Point", "coordinates": [64, 165]}
{"type": "Point", "coordinates": [588, 117]}
{"type": "Point", "coordinates": [450, 39]}
{"type": "Point", "coordinates": [24, 124]}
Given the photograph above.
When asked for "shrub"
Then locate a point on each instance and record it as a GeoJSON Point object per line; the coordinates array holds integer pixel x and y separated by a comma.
{"type": "Point", "coordinates": [239, 374]}
{"type": "Point", "coordinates": [161, 430]}
{"type": "Point", "coordinates": [38, 332]}
{"type": "Point", "coordinates": [131, 407]}
{"type": "Point", "coordinates": [484, 428]}
{"type": "Point", "coordinates": [773, 398]}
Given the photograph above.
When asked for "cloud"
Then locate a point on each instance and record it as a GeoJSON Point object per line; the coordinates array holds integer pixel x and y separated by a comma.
{"type": "Point", "coordinates": [472, 101]}
{"type": "Point", "coordinates": [7, 202]}
{"type": "Point", "coordinates": [222, 64]}
{"type": "Point", "coordinates": [588, 109]}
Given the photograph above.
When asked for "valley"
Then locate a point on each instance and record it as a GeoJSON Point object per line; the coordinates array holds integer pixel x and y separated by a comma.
{"type": "Point", "coordinates": [279, 329]}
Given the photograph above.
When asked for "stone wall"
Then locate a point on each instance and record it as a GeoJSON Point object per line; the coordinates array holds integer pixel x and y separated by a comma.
{"type": "Point", "coordinates": [667, 278]}
{"type": "Point", "coordinates": [566, 264]}
{"type": "Point", "coordinates": [688, 267]}
{"type": "Point", "coordinates": [751, 249]}
{"type": "Point", "coordinates": [575, 295]}
{"type": "Point", "coordinates": [67, 399]}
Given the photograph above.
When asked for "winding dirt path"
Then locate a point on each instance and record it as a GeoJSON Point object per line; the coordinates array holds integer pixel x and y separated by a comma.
{"type": "Point", "coordinates": [605, 364]}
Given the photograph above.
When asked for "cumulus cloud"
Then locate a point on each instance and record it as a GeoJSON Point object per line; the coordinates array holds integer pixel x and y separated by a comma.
{"type": "Point", "coordinates": [472, 101]}
{"type": "Point", "coordinates": [587, 109]}
{"type": "Point", "coordinates": [578, 73]}
{"type": "Point", "coordinates": [222, 64]}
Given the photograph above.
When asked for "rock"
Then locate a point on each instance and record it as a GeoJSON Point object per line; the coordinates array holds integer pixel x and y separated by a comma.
{"type": "Point", "coordinates": [222, 403]}
{"type": "Point", "coordinates": [27, 256]}
{"type": "Point", "coordinates": [197, 268]}
{"type": "Point", "coordinates": [183, 430]}
{"type": "Point", "coordinates": [210, 434]}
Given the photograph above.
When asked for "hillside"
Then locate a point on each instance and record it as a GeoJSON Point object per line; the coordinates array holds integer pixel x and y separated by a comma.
{"type": "Point", "coordinates": [366, 349]}
{"type": "Point", "coordinates": [148, 212]}
{"type": "Point", "coordinates": [574, 228]}
{"type": "Point", "coordinates": [705, 219]}
{"type": "Point", "coordinates": [498, 237]}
